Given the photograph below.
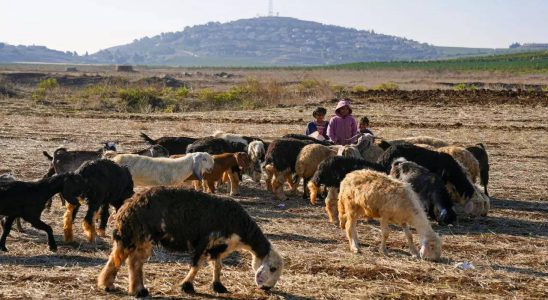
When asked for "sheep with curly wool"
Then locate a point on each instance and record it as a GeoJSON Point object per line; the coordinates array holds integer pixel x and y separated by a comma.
{"type": "Point", "coordinates": [371, 194]}
{"type": "Point", "coordinates": [152, 171]}
{"type": "Point", "coordinates": [308, 160]}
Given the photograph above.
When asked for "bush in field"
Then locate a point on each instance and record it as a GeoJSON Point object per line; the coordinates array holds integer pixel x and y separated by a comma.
{"type": "Point", "coordinates": [141, 99]}
{"type": "Point", "coordinates": [464, 87]}
{"type": "Point", "coordinates": [45, 87]}
{"type": "Point", "coordinates": [390, 86]}
{"type": "Point", "coordinates": [359, 89]}
{"type": "Point", "coordinates": [182, 92]}
{"type": "Point", "coordinates": [316, 88]}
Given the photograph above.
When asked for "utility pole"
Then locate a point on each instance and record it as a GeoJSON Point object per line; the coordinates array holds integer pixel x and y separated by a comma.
{"type": "Point", "coordinates": [270, 8]}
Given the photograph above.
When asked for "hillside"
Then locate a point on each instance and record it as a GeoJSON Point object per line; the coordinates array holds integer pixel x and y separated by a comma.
{"type": "Point", "coordinates": [266, 41]}
{"type": "Point", "coordinates": [10, 53]}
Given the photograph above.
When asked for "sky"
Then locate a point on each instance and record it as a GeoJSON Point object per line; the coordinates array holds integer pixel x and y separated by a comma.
{"type": "Point", "coordinates": [91, 25]}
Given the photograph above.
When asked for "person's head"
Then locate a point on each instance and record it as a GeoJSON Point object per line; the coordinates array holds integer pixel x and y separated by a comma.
{"type": "Point", "coordinates": [343, 108]}
{"type": "Point", "coordinates": [364, 123]}
{"type": "Point", "coordinates": [319, 113]}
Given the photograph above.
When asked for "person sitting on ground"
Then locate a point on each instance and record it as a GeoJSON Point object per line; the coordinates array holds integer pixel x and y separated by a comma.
{"type": "Point", "coordinates": [319, 125]}
{"type": "Point", "coordinates": [342, 127]}
{"type": "Point", "coordinates": [363, 126]}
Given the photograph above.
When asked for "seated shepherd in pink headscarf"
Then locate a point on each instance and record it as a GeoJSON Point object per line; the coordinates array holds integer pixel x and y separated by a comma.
{"type": "Point", "coordinates": [342, 127]}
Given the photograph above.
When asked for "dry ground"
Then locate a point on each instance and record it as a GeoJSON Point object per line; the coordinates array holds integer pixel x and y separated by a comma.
{"type": "Point", "coordinates": [509, 248]}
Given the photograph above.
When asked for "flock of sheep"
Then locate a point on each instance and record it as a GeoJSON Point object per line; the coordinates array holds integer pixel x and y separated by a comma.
{"type": "Point", "coordinates": [402, 182]}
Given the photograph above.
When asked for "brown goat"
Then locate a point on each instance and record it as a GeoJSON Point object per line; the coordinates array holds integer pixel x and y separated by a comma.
{"type": "Point", "coordinates": [225, 164]}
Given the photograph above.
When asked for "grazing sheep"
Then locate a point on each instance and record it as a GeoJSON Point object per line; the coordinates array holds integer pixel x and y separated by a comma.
{"type": "Point", "coordinates": [153, 151]}
{"type": "Point", "coordinates": [183, 220]}
{"type": "Point", "coordinates": [466, 158]}
{"type": "Point", "coordinates": [27, 200]}
{"type": "Point", "coordinates": [225, 163]}
{"type": "Point", "coordinates": [365, 146]}
{"type": "Point", "coordinates": [447, 168]}
{"type": "Point", "coordinates": [308, 160]}
{"type": "Point", "coordinates": [174, 145]}
{"type": "Point", "coordinates": [305, 138]}
{"type": "Point", "coordinates": [282, 155]}
{"type": "Point", "coordinates": [348, 151]}
{"type": "Point", "coordinates": [213, 145]}
{"type": "Point", "coordinates": [330, 173]}
{"type": "Point", "coordinates": [480, 154]}
{"type": "Point", "coordinates": [4, 178]}
{"type": "Point", "coordinates": [429, 187]}
{"type": "Point", "coordinates": [105, 183]}
{"type": "Point", "coordinates": [152, 171]}
{"type": "Point", "coordinates": [371, 194]}
{"type": "Point", "coordinates": [435, 142]}
{"type": "Point", "coordinates": [237, 138]}
{"type": "Point", "coordinates": [256, 151]}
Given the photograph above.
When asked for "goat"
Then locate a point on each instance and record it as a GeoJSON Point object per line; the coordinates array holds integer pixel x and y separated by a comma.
{"type": "Point", "coordinates": [371, 194]}
{"type": "Point", "coordinates": [429, 187]}
{"type": "Point", "coordinates": [174, 145]}
{"type": "Point", "coordinates": [151, 171]}
{"type": "Point", "coordinates": [153, 151]}
{"type": "Point", "coordinates": [4, 178]}
{"type": "Point", "coordinates": [225, 163]}
{"type": "Point", "coordinates": [181, 220]}
{"type": "Point", "coordinates": [27, 200]}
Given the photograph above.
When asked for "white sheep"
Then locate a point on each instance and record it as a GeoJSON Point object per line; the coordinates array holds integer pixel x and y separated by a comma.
{"type": "Point", "coordinates": [153, 171]}
{"type": "Point", "coordinates": [256, 152]}
{"type": "Point", "coordinates": [231, 137]}
{"type": "Point", "coordinates": [365, 146]}
{"type": "Point", "coordinates": [372, 194]}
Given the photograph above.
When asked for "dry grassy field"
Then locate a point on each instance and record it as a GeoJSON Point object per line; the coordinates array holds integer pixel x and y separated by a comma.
{"type": "Point", "coordinates": [509, 247]}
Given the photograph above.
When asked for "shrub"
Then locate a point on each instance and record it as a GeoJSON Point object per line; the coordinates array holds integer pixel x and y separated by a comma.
{"type": "Point", "coordinates": [464, 87]}
{"type": "Point", "coordinates": [390, 86]}
{"type": "Point", "coordinates": [359, 89]}
{"type": "Point", "coordinates": [182, 92]}
{"type": "Point", "coordinates": [45, 86]}
{"type": "Point", "coordinates": [141, 99]}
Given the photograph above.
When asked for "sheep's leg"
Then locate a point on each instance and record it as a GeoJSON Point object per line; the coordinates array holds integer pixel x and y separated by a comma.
{"type": "Point", "coordinates": [89, 225]}
{"type": "Point", "coordinates": [269, 170]}
{"type": "Point", "coordinates": [5, 232]}
{"type": "Point", "coordinates": [104, 220]}
{"type": "Point", "coordinates": [187, 286]}
{"type": "Point", "coordinates": [107, 276]}
{"type": "Point", "coordinates": [293, 185]}
{"type": "Point", "coordinates": [385, 231]}
{"type": "Point", "coordinates": [198, 186]}
{"type": "Point", "coordinates": [18, 224]}
{"type": "Point", "coordinates": [331, 204]}
{"type": "Point", "coordinates": [352, 234]}
{"type": "Point", "coordinates": [68, 220]}
{"type": "Point", "coordinates": [342, 215]}
{"type": "Point", "coordinates": [305, 188]}
{"type": "Point", "coordinates": [210, 184]}
{"type": "Point", "coordinates": [216, 285]}
{"type": "Point", "coordinates": [38, 224]}
{"type": "Point", "coordinates": [234, 181]}
{"type": "Point", "coordinates": [409, 236]}
{"type": "Point", "coordinates": [135, 264]}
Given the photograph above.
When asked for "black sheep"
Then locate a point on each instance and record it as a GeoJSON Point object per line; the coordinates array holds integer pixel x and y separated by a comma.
{"type": "Point", "coordinates": [153, 151]}
{"type": "Point", "coordinates": [105, 183]}
{"type": "Point", "coordinates": [480, 154]}
{"type": "Point", "coordinates": [174, 145]}
{"type": "Point", "coordinates": [185, 220]}
{"type": "Point", "coordinates": [305, 138]}
{"type": "Point", "coordinates": [430, 188]}
{"type": "Point", "coordinates": [27, 200]}
{"type": "Point", "coordinates": [214, 146]}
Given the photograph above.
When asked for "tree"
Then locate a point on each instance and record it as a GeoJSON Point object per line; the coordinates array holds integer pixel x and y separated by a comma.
{"type": "Point", "coordinates": [515, 45]}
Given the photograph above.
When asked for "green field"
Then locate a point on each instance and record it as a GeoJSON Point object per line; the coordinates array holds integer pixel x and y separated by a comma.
{"type": "Point", "coordinates": [519, 62]}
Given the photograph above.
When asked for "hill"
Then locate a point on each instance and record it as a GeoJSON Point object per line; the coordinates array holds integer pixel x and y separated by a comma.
{"type": "Point", "coordinates": [11, 53]}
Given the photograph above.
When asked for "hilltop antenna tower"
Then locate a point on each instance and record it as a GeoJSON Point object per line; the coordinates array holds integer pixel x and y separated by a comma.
{"type": "Point", "coordinates": [270, 8]}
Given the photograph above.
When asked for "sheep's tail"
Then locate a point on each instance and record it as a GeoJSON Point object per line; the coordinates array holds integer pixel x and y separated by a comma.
{"type": "Point", "coordinates": [148, 139]}
{"type": "Point", "coordinates": [46, 154]}
{"type": "Point", "coordinates": [481, 145]}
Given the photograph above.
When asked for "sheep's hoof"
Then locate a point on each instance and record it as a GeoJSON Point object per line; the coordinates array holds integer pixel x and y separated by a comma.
{"type": "Point", "coordinates": [3, 248]}
{"type": "Point", "coordinates": [188, 288]}
{"type": "Point", "coordinates": [109, 288]}
{"type": "Point", "coordinates": [142, 293]}
{"type": "Point", "coordinates": [355, 250]}
{"type": "Point", "coordinates": [219, 288]}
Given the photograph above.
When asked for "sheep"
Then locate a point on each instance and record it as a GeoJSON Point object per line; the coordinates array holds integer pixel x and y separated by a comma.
{"type": "Point", "coordinates": [466, 158]}
{"type": "Point", "coordinates": [330, 173]}
{"type": "Point", "coordinates": [105, 183]}
{"type": "Point", "coordinates": [153, 151]}
{"type": "Point", "coordinates": [4, 178]}
{"type": "Point", "coordinates": [225, 163]}
{"type": "Point", "coordinates": [435, 142]}
{"type": "Point", "coordinates": [449, 170]}
{"type": "Point", "coordinates": [305, 138]}
{"type": "Point", "coordinates": [429, 187]}
{"type": "Point", "coordinates": [256, 152]}
{"type": "Point", "coordinates": [308, 160]}
{"type": "Point", "coordinates": [151, 171]}
{"type": "Point", "coordinates": [182, 220]}
{"type": "Point", "coordinates": [365, 146]}
{"type": "Point", "coordinates": [480, 154]}
{"type": "Point", "coordinates": [371, 194]}
{"type": "Point", "coordinates": [174, 145]}
{"type": "Point", "coordinates": [280, 161]}
{"type": "Point", "coordinates": [27, 200]}
{"type": "Point", "coordinates": [237, 138]}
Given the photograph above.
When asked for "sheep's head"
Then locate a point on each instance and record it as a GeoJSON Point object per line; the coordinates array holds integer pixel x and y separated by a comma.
{"type": "Point", "coordinates": [278, 181]}
{"type": "Point", "coordinates": [430, 247]}
{"type": "Point", "coordinates": [268, 269]}
{"type": "Point", "coordinates": [243, 161]}
{"type": "Point", "coordinates": [397, 169]}
{"type": "Point", "coordinates": [349, 151]}
{"type": "Point", "coordinates": [201, 163]}
{"type": "Point", "coordinates": [256, 173]}
{"type": "Point", "coordinates": [478, 204]}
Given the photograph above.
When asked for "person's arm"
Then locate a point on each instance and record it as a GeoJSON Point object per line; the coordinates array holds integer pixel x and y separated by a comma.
{"type": "Point", "coordinates": [331, 131]}
{"type": "Point", "coordinates": [354, 128]}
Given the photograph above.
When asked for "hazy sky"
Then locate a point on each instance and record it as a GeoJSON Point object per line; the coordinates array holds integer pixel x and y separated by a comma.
{"type": "Point", "coordinates": [91, 25]}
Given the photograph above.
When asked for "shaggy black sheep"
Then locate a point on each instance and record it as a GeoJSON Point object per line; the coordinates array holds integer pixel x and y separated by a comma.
{"type": "Point", "coordinates": [480, 154]}
{"type": "Point", "coordinates": [153, 151]}
{"type": "Point", "coordinates": [106, 184]}
{"type": "Point", "coordinates": [430, 188]}
{"type": "Point", "coordinates": [174, 145]}
{"type": "Point", "coordinates": [457, 184]}
{"type": "Point", "coordinates": [305, 138]}
{"type": "Point", "coordinates": [27, 200]}
{"type": "Point", "coordinates": [180, 219]}
{"type": "Point", "coordinates": [214, 146]}
{"type": "Point", "coordinates": [4, 178]}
